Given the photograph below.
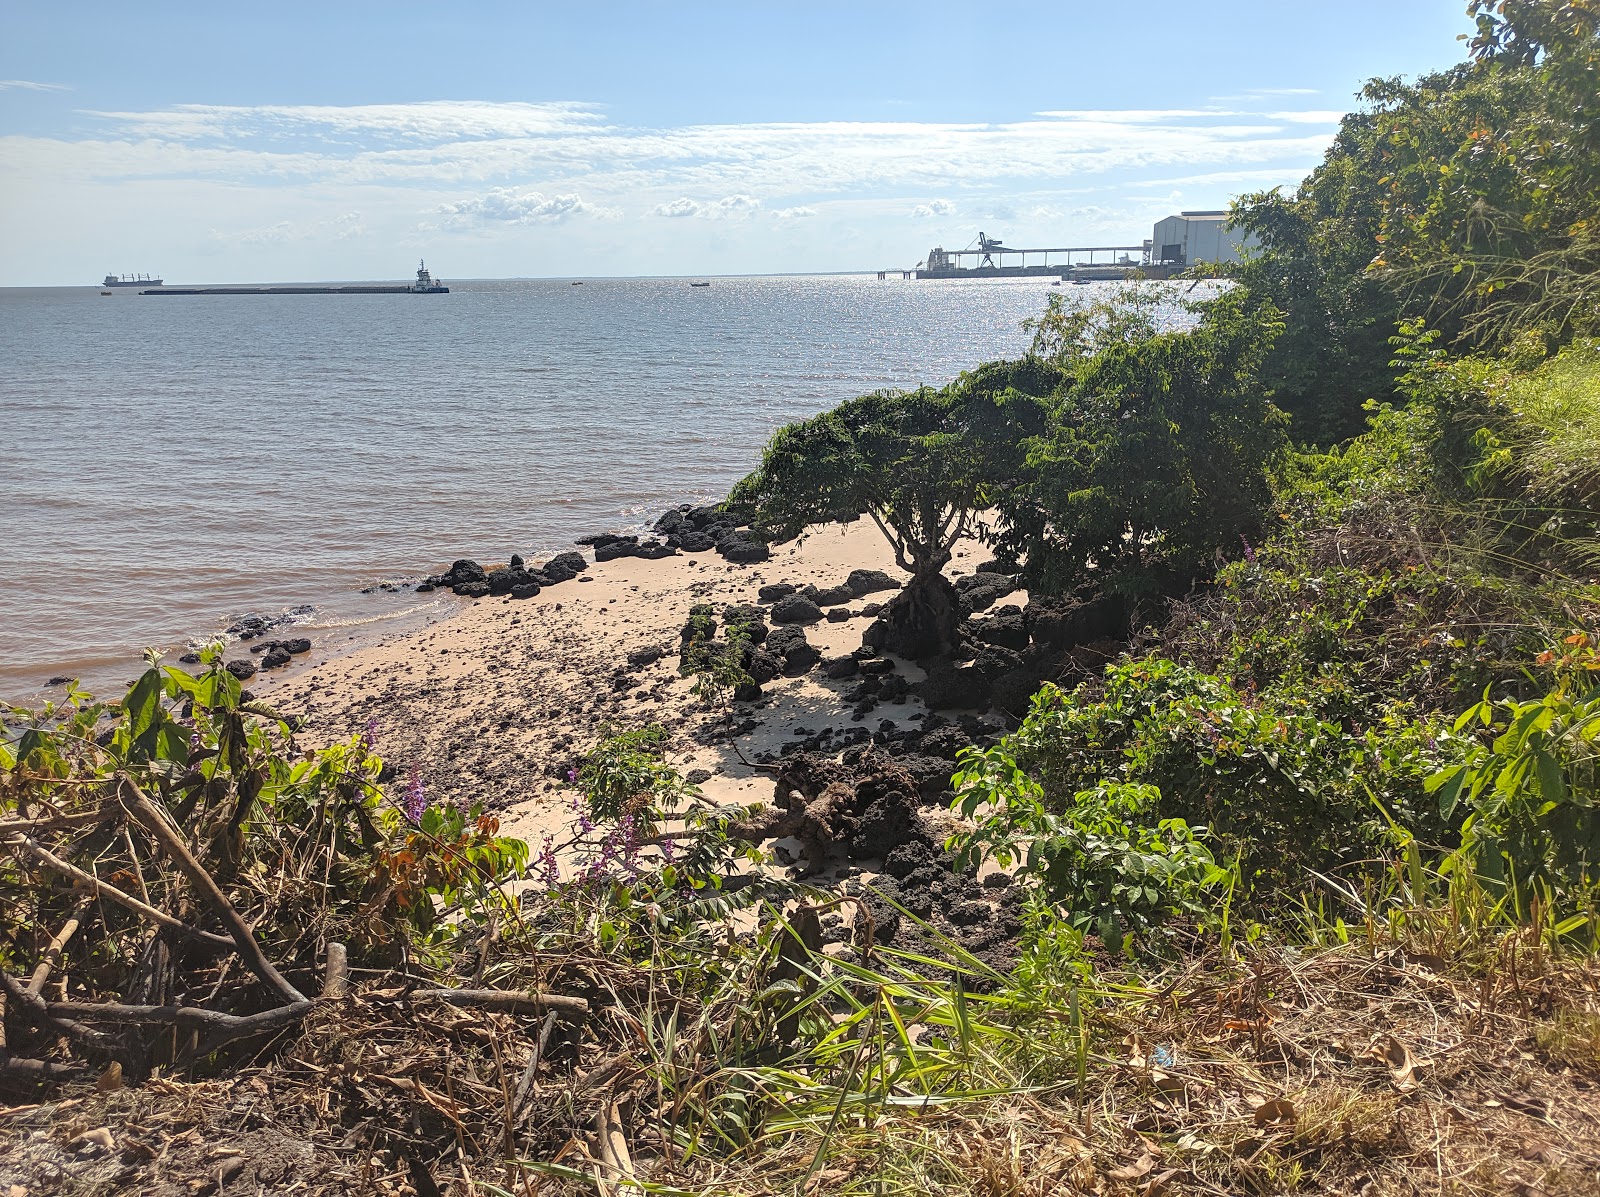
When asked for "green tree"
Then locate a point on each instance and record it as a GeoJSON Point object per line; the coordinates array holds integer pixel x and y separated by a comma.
{"type": "Point", "coordinates": [1158, 448]}
{"type": "Point", "coordinates": [1467, 198]}
{"type": "Point", "coordinates": [920, 464]}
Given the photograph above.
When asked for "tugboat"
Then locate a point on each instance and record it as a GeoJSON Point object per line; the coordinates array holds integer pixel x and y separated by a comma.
{"type": "Point", "coordinates": [130, 280]}
{"type": "Point", "coordinates": [425, 284]}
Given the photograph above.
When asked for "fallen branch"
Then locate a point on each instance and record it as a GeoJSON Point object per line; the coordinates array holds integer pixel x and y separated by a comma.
{"type": "Point", "coordinates": [102, 889]}
{"type": "Point", "coordinates": [37, 1012]}
{"type": "Point", "coordinates": [154, 820]}
{"type": "Point", "coordinates": [505, 1001]}
{"type": "Point", "coordinates": [336, 973]}
{"type": "Point", "coordinates": [28, 1069]}
{"type": "Point", "coordinates": [52, 954]}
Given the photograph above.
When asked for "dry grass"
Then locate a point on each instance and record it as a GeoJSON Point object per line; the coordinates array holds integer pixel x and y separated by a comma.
{"type": "Point", "coordinates": [1350, 1070]}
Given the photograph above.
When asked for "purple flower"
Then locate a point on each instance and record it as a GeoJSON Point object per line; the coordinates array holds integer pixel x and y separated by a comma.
{"type": "Point", "coordinates": [669, 850]}
{"type": "Point", "coordinates": [369, 734]}
{"type": "Point", "coordinates": [572, 776]}
{"type": "Point", "coordinates": [549, 870]}
{"type": "Point", "coordinates": [585, 823]}
{"type": "Point", "coordinates": [1249, 553]}
{"type": "Point", "coordinates": [416, 801]}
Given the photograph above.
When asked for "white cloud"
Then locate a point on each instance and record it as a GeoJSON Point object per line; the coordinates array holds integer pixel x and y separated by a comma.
{"type": "Point", "coordinates": [682, 206]}
{"type": "Point", "coordinates": [30, 85]}
{"type": "Point", "coordinates": [728, 206]}
{"type": "Point", "coordinates": [350, 183]}
{"type": "Point", "coordinates": [505, 205]}
{"type": "Point", "coordinates": [351, 224]}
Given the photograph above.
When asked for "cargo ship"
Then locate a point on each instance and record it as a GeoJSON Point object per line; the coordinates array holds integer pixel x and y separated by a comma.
{"type": "Point", "coordinates": [130, 280]}
{"type": "Point", "coordinates": [426, 284]}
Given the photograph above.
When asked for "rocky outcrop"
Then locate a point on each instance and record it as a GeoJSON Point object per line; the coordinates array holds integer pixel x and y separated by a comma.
{"type": "Point", "coordinates": [790, 644]}
{"type": "Point", "coordinates": [796, 609]}
{"type": "Point", "coordinates": [863, 582]}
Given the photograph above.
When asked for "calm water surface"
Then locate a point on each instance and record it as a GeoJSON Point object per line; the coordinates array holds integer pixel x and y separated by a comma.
{"type": "Point", "coordinates": [173, 463]}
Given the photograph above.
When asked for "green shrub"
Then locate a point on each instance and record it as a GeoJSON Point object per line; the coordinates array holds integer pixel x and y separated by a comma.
{"type": "Point", "coordinates": [1105, 859]}
{"type": "Point", "coordinates": [1280, 786]}
{"type": "Point", "coordinates": [1533, 830]}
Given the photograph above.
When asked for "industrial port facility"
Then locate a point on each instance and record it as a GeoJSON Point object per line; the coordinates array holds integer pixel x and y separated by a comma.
{"type": "Point", "coordinates": [1177, 243]}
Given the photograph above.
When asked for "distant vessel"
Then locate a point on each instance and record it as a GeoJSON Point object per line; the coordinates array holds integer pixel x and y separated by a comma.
{"type": "Point", "coordinates": [699, 284]}
{"type": "Point", "coordinates": [425, 284]}
{"type": "Point", "coordinates": [130, 280]}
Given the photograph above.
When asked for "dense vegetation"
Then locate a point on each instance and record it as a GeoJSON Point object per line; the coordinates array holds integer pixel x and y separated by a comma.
{"type": "Point", "coordinates": [1336, 792]}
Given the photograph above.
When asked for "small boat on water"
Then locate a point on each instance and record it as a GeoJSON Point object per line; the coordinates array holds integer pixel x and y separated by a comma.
{"type": "Point", "coordinates": [106, 292]}
{"type": "Point", "coordinates": [699, 284]}
{"type": "Point", "coordinates": [577, 282]}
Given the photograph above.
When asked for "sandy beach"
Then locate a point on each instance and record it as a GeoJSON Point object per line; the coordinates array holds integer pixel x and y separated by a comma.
{"type": "Point", "coordinates": [497, 702]}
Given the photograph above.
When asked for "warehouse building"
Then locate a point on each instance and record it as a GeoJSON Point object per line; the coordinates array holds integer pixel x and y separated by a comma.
{"type": "Point", "coordinates": [1191, 237]}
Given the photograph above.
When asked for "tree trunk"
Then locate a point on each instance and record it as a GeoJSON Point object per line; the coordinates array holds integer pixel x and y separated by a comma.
{"type": "Point", "coordinates": [921, 621]}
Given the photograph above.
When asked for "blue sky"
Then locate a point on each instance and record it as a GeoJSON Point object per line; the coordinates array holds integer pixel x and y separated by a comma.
{"type": "Point", "coordinates": [343, 140]}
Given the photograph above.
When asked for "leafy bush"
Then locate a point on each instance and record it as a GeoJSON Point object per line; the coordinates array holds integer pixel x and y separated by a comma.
{"type": "Point", "coordinates": [1106, 860]}
{"type": "Point", "coordinates": [306, 844]}
{"type": "Point", "coordinates": [623, 775]}
{"type": "Point", "coordinates": [1281, 787]}
{"type": "Point", "coordinates": [1533, 830]}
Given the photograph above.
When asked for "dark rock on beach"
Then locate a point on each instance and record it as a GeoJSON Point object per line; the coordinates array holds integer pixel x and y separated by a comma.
{"type": "Point", "coordinates": [950, 686]}
{"type": "Point", "coordinates": [774, 591]}
{"type": "Point", "coordinates": [796, 609]}
{"type": "Point", "coordinates": [863, 582]}
{"type": "Point", "coordinates": [749, 620]}
{"type": "Point", "coordinates": [616, 546]}
{"type": "Point", "coordinates": [832, 596]}
{"type": "Point", "coordinates": [1006, 627]}
{"type": "Point", "coordinates": [241, 669]}
{"type": "Point", "coordinates": [840, 667]}
{"type": "Point", "coordinates": [563, 567]}
{"type": "Point", "coordinates": [696, 542]}
{"type": "Point", "coordinates": [763, 666]}
{"type": "Point", "coordinates": [743, 548]}
{"type": "Point", "coordinates": [798, 653]}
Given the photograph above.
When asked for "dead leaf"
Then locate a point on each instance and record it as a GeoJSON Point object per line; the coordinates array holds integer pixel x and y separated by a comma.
{"type": "Point", "coordinates": [1166, 1083]}
{"type": "Point", "coordinates": [110, 1080]}
{"type": "Point", "coordinates": [1136, 1054]}
{"type": "Point", "coordinates": [99, 1137]}
{"type": "Point", "coordinates": [1398, 1059]}
{"type": "Point", "coordinates": [1277, 1111]}
{"type": "Point", "coordinates": [1158, 1184]}
{"type": "Point", "coordinates": [1135, 1170]}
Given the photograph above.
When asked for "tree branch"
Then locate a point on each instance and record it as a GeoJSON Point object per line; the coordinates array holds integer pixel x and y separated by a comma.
{"type": "Point", "coordinates": [102, 889]}
{"type": "Point", "coordinates": [156, 823]}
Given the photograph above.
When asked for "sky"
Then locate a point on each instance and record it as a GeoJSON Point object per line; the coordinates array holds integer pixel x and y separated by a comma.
{"type": "Point", "coordinates": [344, 140]}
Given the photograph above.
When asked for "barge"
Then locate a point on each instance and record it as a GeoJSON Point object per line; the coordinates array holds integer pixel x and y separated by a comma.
{"type": "Point", "coordinates": [425, 284]}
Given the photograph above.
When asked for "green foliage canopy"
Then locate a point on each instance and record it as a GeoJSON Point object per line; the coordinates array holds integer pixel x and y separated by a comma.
{"type": "Point", "coordinates": [1158, 448]}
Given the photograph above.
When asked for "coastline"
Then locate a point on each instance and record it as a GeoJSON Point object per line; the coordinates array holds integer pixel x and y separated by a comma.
{"type": "Point", "coordinates": [497, 701]}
